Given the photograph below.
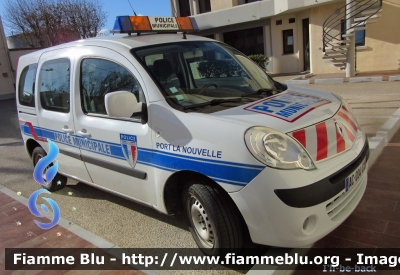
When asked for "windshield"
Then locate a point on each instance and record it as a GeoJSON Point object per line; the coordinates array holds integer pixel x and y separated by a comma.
{"type": "Point", "coordinates": [196, 75]}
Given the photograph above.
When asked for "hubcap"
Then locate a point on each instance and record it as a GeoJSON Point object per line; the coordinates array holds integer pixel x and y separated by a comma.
{"type": "Point", "coordinates": [201, 223]}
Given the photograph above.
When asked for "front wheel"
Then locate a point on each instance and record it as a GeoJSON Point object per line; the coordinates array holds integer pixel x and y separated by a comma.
{"type": "Point", "coordinates": [59, 181]}
{"type": "Point", "coordinates": [213, 218]}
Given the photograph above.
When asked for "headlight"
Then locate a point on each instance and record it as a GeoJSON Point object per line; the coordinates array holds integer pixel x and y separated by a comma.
{"type": "Point", "coordinates": [276, 149]}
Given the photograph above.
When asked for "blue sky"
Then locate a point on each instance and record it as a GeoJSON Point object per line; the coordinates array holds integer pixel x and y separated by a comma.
{"type": "Point", "coordinates": [122, 7]}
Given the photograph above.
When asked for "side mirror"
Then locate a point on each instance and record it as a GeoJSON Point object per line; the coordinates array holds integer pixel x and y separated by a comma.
{"type": "Point", "coordinates": [124, 104]}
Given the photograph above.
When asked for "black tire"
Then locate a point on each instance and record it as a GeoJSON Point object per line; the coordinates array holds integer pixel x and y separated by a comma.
{"type": "Point", "coordinates": [59, 181]}
{"type": "Point", "coordinates": [214, 220]}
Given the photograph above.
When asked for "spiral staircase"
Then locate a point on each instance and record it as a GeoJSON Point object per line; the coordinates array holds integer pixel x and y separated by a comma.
{"type": "Point", "coordinates": [339, 29]}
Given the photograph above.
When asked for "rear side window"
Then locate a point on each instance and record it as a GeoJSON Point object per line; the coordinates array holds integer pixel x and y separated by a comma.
{"type": "Point", "coordinates": [26, 87]}
{"type": "Point", "coordinates": [100, 77]}
{"type": "Point", "coordinates": [54, 85]}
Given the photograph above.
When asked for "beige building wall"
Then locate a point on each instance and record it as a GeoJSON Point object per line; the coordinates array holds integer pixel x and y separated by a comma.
{"type": "Point", "coordinates": [317, 19]}
{"type": "Point", "coordinates": [222, 4]}
{"type": "Point", "coordinates": [395, 2]}
{"type": "Point", "coordinates": [382, 41]}
{"type": "Point", "coordinates": [382, 44]}
{"type": "Point", "coordinates": [284, 62]}
{"type": "Point", "coordinates": [6, 74]}
{"type": "Point", "coordinates": [288, 63]}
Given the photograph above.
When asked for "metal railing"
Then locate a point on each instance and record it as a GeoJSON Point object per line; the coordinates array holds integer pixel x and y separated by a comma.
{"type": "Point", "coordinates": [334, 21]}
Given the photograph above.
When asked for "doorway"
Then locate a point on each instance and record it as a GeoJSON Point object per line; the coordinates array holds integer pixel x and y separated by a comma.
{"type": "Point", "coordinates": [306, 44]}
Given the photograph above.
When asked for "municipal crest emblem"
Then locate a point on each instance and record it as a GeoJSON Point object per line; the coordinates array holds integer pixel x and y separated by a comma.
{"type": "Point", "coordinates": [129, 148]}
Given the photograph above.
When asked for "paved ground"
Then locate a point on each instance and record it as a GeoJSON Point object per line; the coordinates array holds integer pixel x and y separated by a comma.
{"type": "Point", "coordinates": [128, 224]}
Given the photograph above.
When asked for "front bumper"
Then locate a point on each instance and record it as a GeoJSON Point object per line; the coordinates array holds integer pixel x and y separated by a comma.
{"type": "Point", "coordinates": [294, 208]}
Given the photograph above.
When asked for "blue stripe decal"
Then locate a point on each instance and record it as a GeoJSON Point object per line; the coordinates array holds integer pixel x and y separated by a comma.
{"type": "Point", "coordinates": [242, 175]}
{"type": "Point", "coordinates": [221, 171]}
{"type": "Point", "coordinates": [201, 159]}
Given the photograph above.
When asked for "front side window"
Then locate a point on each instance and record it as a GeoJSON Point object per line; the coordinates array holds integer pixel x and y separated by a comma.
{"type": "Point", "coordinates": [54, 85]}
{"type": "Point", "coordinates": [26, 87]}
{"type": "Point", "coordinates": [196, 75]}
{"type": "Point", "coordinates": [100, 77]}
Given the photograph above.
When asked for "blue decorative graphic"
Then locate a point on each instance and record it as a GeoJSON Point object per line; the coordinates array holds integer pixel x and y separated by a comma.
{"type": "Point", "coordinates": [43, 174]}
{"type": "Point", "coordinates": [35, 211]}
{"type": "Point", "coordinates": [38, 172]}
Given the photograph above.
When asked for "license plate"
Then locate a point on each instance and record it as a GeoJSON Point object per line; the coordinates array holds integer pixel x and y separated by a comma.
{"type": "Point", "coordinates": [356, 175]}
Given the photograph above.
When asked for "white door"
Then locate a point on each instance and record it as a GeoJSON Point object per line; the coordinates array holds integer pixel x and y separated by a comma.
{"type": "Point", "coordinates": [55, 110]}
{"type": "Point", "coordinates": [113, 149]}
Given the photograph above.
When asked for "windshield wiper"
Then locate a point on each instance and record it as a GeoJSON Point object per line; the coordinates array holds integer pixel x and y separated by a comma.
{"type": "Point", "coordinates": [212, 103]}
{"type": "Point", "coordinates": [262, 90]}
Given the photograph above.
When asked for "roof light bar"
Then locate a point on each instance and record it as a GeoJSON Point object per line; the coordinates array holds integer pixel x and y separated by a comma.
{"type": "Point", "coordinates": [138, 24]}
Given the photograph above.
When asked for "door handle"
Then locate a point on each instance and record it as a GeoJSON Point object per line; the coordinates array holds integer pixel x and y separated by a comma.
{"type": "Point", "coordinates": [68, 130]}
{"type": "Point", "coordinates": [84, 133]}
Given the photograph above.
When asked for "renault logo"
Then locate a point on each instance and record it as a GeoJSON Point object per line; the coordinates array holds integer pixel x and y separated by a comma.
{"type": "Point", "coordinates": [339, 129]}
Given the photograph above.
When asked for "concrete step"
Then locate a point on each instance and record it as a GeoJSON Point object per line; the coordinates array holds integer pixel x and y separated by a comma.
{"type": "Point", "coordinates": [361, 23]}
{"type": "Point", "coordinates": [340, 66]}
{"type": "Point", "coordinates": [337, 47]}
{"type": "Point", "coordinates": [334, 56]}
{"type": "Point", "coordinates": [356, 29]}
{"type": "Point", "coordinates": [366, 8]}
{"type": "Point", "coordinates": [341, 42]}
{"type": "Point", "coordinates": [348, 35]}
{"type": "Point", "coordinates": [334, 51]}
{"type": "Point", "coordinates": [369, 12]}
{"type": "Point", "coordinates": [342, 61]}
{"type": "Point", "coordinates": [363, 18]}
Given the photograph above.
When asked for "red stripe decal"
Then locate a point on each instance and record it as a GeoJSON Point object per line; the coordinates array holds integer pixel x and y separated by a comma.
{"type": "Point", "coordinates": [301, 137]}
{"type": "Point", "coordinates": [350, 121]}
{"type": "Point", "coordinates": [349, 134]}
{"type": "Point", "coordinates": [340, 144]}
{"type": "Point", "coordinates": [133, 150]}
{"type": "Point", "coordinates": [33, 132]}
{"type": "Point", "coordinates": [344, 107]}
{"type": "Point", "coordinates": [322, 141]}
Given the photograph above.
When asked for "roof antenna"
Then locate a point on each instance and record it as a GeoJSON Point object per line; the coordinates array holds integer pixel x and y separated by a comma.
{"type": "Point", "coordinates": [132, 8]}
{"type": "Point", "coordinates": [173, 6]}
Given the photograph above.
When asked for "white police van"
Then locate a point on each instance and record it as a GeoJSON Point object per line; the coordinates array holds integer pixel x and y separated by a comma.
{"type": "Point", "coordinates": [186, 123]}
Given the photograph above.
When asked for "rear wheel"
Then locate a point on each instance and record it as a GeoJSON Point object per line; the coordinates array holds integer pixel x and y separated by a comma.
{"type": "Point", "coordinates": [59, 181]}
{"type": "Point", "coordinates": [213, 218]}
